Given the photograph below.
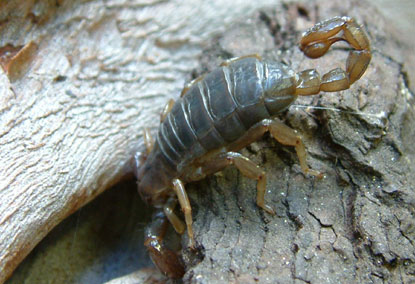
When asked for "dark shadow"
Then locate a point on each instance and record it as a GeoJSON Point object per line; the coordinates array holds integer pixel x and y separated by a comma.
{"type": "Point", "coordinates": [99, 242]}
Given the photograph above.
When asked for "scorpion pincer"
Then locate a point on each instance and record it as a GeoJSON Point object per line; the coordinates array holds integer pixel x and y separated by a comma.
{"type": "Point", "coordinates": [226, 110]}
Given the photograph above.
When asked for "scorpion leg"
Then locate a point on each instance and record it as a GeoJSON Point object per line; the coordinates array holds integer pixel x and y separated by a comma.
{"type": "Point", "coordinates": [316, 42]}
{"type": "Point", "coordinates": [140, 157]}
{"type": "Point", "coordinates": [148, 140]}
{"type": "Point", "coordinates": [190, 84]}
{"type": "Point", "coordinates": [180, 191]}
{"type": "Point", "coordinates": [168, 209]}
{"type": "Point", "coordinates": [167, 108]}
{"type": "Point", "coordinates": [229, 61]}
{"type": "Point", "coordinates": [165, 259]}
{"type": "Point", "coordinates": [280, 132]}
{"type": "Point", "coordinates": [246, 167]}
{"type": "Point", "coordinates": [288, 136]}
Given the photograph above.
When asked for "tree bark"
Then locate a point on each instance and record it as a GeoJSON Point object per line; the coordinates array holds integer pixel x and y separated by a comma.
{"type": "Point", "coordinates": [354, 226]}
{"type": "Point", "coordinates": [81, 80]}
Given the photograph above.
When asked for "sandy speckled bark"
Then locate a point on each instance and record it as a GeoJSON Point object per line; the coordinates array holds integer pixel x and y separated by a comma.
{"type": "Point", "coordinates": [87, 76]}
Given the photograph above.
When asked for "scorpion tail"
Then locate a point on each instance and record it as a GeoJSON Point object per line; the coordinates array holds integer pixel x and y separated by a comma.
{"type": "Point", "coordinates": [316, 42]}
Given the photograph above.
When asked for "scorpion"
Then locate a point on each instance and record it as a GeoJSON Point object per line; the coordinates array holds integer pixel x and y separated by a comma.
{"type": "Point", "coordinates": [222, 112]}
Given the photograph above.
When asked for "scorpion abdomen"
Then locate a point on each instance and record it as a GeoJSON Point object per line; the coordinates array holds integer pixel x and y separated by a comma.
{"type": "Point", "coordinates": [222, 106]}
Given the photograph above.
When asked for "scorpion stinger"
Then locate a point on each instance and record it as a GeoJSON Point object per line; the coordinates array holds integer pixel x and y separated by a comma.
{"type": "Point", "coordinates": [316, 42]}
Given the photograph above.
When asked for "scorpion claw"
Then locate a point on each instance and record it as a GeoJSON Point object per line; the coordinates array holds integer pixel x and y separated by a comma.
{"type": "Point", "coordinates": [166, 260]}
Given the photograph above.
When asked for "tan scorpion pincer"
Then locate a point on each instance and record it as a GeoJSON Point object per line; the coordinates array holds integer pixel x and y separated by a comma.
{"type": "Point", "coordinates": [224, 111]}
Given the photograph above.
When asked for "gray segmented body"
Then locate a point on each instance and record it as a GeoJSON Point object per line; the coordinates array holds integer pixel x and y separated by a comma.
{"type": "Point", "coordinates": [226, 110]}
{"type": "Point", "coordinates": [217, 111]}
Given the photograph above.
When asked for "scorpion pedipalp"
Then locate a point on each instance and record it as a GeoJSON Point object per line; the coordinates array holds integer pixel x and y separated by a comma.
{"type": "Point", "coordinates": [165, 259]}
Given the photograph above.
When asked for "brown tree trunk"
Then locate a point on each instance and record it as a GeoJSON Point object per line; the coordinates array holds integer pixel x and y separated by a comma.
{"type": "Point", "coordinates": [82, 79]}
{"type": "Point", "coordinates": [356, 225]}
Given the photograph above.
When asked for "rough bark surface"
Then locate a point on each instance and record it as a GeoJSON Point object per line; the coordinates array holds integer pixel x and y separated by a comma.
{"type": "Point", "coordinates": [83, 78]}
{"type": "Point", "coordinates": [354, 226]}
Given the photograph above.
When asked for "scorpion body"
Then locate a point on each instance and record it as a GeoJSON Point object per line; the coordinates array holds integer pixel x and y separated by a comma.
{"type": "Point", "coordinates": [226, 110]}
{"type": "Point", "coordinates": [213, 113]}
